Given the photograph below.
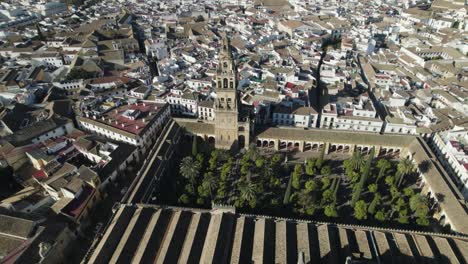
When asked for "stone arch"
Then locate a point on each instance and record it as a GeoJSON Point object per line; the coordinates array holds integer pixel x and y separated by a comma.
{"type": "Point", "coordinates": [283, 145]}
{"type": "Point", "coordinates": [296, 145]}
{"type": "Point", "coordinates": [265, 143]}
{"type": "Point", "coordinates": [211, 140]}
{"type": "Point", "coordinates": [200, 139]}
{"type": "Point", "coordinates": [332, 148]}
{"type": "Point", "coordinates": [383, 152]}
{"type": "Point", "coordinates": [397, 152]}
{"type": "Point", "coordinates": [259, 143]}
{"type": "Point", "coordinates": [340, 148]}
{"type": "Point", "coordinates": [346, 149]}
{"type": "Point", "coordinates": [271, 144]}
{"type": "Point", "coordinates": [225, 83]}
{"type": "Point", "coordinates": [307, 146]}
{"type": "Point", "coordinates": [315, 147]}
{"type": "Point", "coordinates": [365, 150]}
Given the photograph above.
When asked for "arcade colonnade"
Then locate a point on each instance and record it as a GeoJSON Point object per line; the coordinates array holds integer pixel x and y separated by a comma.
{"type": "Point", "coordinates": [330, 147]}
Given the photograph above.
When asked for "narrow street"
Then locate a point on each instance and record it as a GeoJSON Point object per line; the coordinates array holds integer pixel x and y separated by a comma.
{"type": "Point", "coordinates": [99, 216]}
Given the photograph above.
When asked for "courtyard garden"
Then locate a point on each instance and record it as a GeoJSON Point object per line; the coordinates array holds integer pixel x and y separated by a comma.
{"type": "Point", "coordinates": [361, 189]}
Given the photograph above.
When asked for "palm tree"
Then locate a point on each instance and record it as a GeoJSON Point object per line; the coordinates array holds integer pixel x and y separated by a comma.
{"type": "Point", "coordinates": [383, 166]}
{"type": "Point", "coordinates": [189, 169]}
{"type": "Point", "coordinates": [210, 182]}
{"type": "Point", "coordinates": [405, 166]}
{"type": "Point", "coordinates": [268, 171]}
{"type": "Point", "coordinates": [305, 200]}
{"type": "Point", "coordinates": [247, 191]}
{"type": "Point", "coordinates": [268, 174]}
{"type": "Point", "coordinates": [357, 160]}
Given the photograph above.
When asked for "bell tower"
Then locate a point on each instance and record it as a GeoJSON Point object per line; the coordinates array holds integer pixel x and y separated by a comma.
{"type": "Point", "coordinates": [226, 103]}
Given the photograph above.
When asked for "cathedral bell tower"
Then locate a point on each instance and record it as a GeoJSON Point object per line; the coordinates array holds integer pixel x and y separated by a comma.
{"type": "Point", "coordinates": [226, 103]}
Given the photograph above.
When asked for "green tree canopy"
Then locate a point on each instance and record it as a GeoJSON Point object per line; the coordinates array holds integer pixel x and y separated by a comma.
{"type": "Point", "coordinates": [184, 199]}
{"type": "Point", "coordinates": [210, 182]}
{"type": "Point", "coordinates": [380, 216]}
{"type": "Point", "coordinates": [77, 74]}
{"type": "Point", "coordinates": [320, 160]}
{"type": "Point", "coordinates": [311, 185]}
{"type": "Point", "coordinates": [403, 217]}
{"type": "Point", "coordinates": [194, 146]}
{"type": "Point", "coordinates": [357, 160]}
{"type": "Point", "coordinates": [287, 193]}
{"type": "Point", "coordinates": [405, 167]}
{"type": "Point", "coordinates": [422, 221]}
{"type": "Point", "coordinates": [330, 210]}
{"type": "Point", "coordinates": [390, 180]}
{"type": "Point", "coordinates": [383, 165]}
{"type": "Point", "coordinates": [360, 210]}
{"type": "Point", "coordinates": [408, 192]}
{"type": "Point", "coordinates": [247, 192]}
{"type": "Point", "coordinates": [328, 196]}
{"type": "Point", "coordinates": [353, 176]}
{"type": "Point", "coordinates": [259, 162]}
{"type": "Point", "coordinates": [190, 169]}
{"type": "Point", "coordinates": [326, 170]}
{"type": "Point", "coordinates": [296, 176]}
{"type": "Point", "coordinates": [305, 202]}
{"type": "Point", "coordinates": [375, 202]}
{"type": "Point", "coordinates": [417, 201]}
{"type": "Point", "coordinates": [310, 167]}
{"type": "Point", "coordinates": [372, 188]}
{"type": "Point", "coordinates": [325, 182]}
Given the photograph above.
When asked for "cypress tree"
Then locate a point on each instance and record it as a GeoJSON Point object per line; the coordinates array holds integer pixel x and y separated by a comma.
{"type": "Point", "coordinates": [287, 194]}
{"type": "Point", "coordinates": [319, 162]}
{"type": "Point", "coordinates": [194, 146]}
{"type": "Point", "coordinates": [365, 173]}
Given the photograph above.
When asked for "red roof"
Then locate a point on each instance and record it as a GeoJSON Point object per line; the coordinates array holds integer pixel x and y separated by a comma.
{"type": "Point", "coordinates": [455, 144]}
{"type": "Point", "coordinates": [39, 175]}
{"type": "Point", "coordinates": [76, 206]}
{"type": "Point", "coordinates": [290, 85]}
{"type": "Point", "coordinates": [135, 126]}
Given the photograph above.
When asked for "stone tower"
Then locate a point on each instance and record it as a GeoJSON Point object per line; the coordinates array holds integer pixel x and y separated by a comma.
{"type": "Point", "coordinates": [226, 103]}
